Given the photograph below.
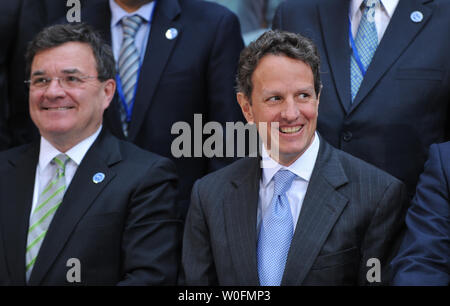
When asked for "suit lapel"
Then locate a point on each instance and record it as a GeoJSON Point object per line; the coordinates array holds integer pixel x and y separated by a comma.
{"type": "Point", "coordinates": [159, 49]}
{"type": "Point", "coordinates": [240, 209]}
{"type": "Point", "coordinates": [334, 22]}
{"type": "Point", "coordinates": [16, 213]}
{"type": "Point", "coordinates": [80, 195]}
{"type": "Point", "coordinates": [321, 208]}
{"type": "Point", "coordinates": [399, 34]}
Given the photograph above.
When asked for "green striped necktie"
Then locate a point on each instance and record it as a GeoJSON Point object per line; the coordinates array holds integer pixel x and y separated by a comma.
{"type": "Point", "coordinates": [42, 215]}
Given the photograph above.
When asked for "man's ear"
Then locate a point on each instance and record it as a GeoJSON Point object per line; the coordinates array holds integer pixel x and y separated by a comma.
{"type": "Point", "coordinates": [109, 90]}
{"type": "Point", "coordinates": [318, 95]}
{"type": "Point", "coordinates": [246, 107]}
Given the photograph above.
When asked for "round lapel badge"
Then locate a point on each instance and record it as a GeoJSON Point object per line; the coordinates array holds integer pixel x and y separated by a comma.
{"type": "Point", "coordinates": [98, 177]}
{"type": "Point", "coordinates": [416, 16]}
{"type": "Point", "coordinates": [171, 33]}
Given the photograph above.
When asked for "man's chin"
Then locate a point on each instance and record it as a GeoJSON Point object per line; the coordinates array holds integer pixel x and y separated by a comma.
{"type": "Point", "coordinates": [56, 132]}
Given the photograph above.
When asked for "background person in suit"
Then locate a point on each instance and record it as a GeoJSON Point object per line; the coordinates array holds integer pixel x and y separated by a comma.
{"type": "Point", "coordinates": [255, 16]}
{"type": "Point", "coordinates": [402, 104]}
{"type": "Point", "coordinates": [424, 258]}
{"type": "Point", "coordinates": [188, 53]}
{"type": "Point", "coordinates": [80, 193]}
{"type": "Point", "coordinates": [9, 15]}
{"type": "Point", "coordinates": [317, 216]}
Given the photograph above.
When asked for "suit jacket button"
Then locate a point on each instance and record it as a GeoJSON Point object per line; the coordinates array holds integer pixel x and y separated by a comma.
{"type": "Point", "coordinates": [347, 136]}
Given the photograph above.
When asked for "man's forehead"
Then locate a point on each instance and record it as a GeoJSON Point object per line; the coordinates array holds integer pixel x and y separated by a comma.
{"type": "Point", "coordinates": [281, 56]}
{"type": "Point", "coordinates": [270, 65]}
{"type": "Point", "coordinates": [64, 58]}
{"type": "Point", "coordinates": [272, 61]}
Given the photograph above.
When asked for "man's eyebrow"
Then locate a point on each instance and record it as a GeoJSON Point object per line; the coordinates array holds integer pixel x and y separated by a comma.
{"type": "Point", "coordinates": [307, 89]}
{"type": "Point", "coordinates": [38, 72]}
{"type": "Point", "coordinates": [70, 71]}
{"type": "Point", "coordinates": [64, 71]}
{"type": "Point", "coordinates": [270, 92]}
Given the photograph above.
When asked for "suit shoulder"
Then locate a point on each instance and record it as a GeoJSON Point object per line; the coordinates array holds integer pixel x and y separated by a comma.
{"type": "Point", "coordinates": [205, 10]}
{"type": "Point", "coordinates": [361, 170]}
{"type": "Point", "coordinates": [234, 170]}
{"type": "Point", "coordinates": [139, 157]}
{"type": "Point", "coordinates": [442, 148]}
{"type": "Point", "coordinates": [439, 154]}
{"type": "Point", "coordinates": [304, 4]}
{"type": "Point", "coordinates": [442, 4]}
{"type": "Point", "coordinates": [12, 153]}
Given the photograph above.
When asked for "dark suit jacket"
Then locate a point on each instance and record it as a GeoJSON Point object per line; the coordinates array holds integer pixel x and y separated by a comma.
{"type": "Point", "coordinates": [191, 74]}
{"type": "Point", "coordinates": [122, 230]}
{"type": "Point", "coordinates": [402, 106]}
{"type": "Point", "coordinates": [9, 16]}
{"type": "Point", "coordinates": [424, 258]}
{"type": "Point", "coordinates": [351, 212]}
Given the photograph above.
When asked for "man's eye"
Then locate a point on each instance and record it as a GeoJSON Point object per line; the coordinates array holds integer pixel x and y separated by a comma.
{"type": "Point", "coordinates": [40, 81]}
{"type": "Point", "coordinates": [274, 99]}
{"type": "Point", "coordinates": [303, 96]}
{"type": "Point", "coordinates": [72, 79]}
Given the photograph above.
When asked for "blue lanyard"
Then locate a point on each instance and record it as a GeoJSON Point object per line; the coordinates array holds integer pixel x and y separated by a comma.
{"type": "Point", "coordinates": [128, 109]}
{"type": "Point", "coordinates": [355, 51]}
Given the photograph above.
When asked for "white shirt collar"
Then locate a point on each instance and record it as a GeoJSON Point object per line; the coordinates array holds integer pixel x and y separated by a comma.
{"type": "Point", "coordinates": [389, 6]}
{"type": "Point", "coordinates": [47, 151]}
{"type": "Point", "coordinates": [117, 13]}
{"type": "Point", "coordinates": [302, 167]}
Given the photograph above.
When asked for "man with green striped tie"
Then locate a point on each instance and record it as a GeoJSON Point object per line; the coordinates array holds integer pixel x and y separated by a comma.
{"type": "Point", "coordinates": [80, 207]}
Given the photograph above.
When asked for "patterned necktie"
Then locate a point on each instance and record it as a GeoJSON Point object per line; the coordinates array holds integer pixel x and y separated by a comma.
{"type": "Point", "coordinates": [276, 233]}
{"type": "Point", "coordinates": [128, 64]}
{"type": "Point", "coordinates": [48, 202]}
{"type": "Point", "coordinates": [366, 43]}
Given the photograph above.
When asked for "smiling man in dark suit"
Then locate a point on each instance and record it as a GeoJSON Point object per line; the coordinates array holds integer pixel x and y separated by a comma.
{"type": "Point", "coordinates": [309, 215]}
{"type": "Point", "coordinates": [187, 58]}
{"type": "Point", "coordinates": [80, 194]}
{"type": "Point", "coordinates": [389, 105]}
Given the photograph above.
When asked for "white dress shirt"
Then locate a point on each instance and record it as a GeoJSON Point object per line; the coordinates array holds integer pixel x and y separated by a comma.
{"type": "Point", "coordinates": [142, 35]}
{"type": "Point", "coordinates": [383, 14]}
{"type": "Point", "coordinates": [46, 170]}
{"type": "Point", "coordinates": [302, 167]}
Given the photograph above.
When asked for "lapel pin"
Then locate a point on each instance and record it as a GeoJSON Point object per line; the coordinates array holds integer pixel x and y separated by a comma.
{"type": "Point", "coordinates": [416, 16]}
{"type": "Point", "coordinates": [171, 33]}
{"type": "Point", "coordinates": [98, 177]}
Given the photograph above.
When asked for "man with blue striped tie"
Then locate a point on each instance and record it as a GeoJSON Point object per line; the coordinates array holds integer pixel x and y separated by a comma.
{"type": "Point", "coordinates": [79, 206]}
{"type": "Point", "coordinates": [385, 69]}
{"type": "Point", "coordinates": [303, 212]}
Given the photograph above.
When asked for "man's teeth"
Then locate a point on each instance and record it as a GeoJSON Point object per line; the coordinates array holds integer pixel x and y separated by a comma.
{"type": "Point", "coordinates": [57, 108]}
{"type": "Point", "coordinates": [293, 129]}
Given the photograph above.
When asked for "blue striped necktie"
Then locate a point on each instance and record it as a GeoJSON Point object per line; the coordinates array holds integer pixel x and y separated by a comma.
{"type": "Point", "coordinates": [48, 202]}
{"type": "Point", "coordinates": [276, 232]}
{"type": "Point", "coordinates": [129, 63]}
{"type": "Point", "coordinates": [366, 43]}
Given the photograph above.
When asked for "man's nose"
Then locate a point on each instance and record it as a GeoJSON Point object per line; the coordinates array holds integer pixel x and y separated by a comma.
{"type": "Point", "coordinates": [54, 89]}
{"type": "Point", "coordinates": [290, 110]}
